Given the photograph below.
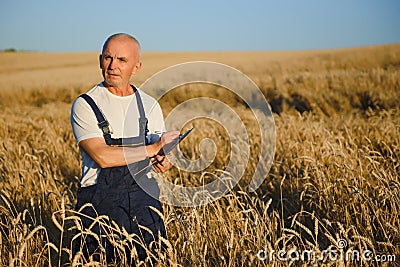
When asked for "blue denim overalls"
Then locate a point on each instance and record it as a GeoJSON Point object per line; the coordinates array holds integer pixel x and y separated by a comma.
{"type": "Point", "coordinates": [118, 195]}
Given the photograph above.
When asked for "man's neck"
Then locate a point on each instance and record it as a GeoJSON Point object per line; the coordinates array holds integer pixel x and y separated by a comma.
{"type": "Point", "coordinates": [118, 90]}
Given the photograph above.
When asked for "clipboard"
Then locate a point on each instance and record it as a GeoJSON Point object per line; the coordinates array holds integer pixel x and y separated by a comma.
{"type": "Point", "coordinates": [181, 137]}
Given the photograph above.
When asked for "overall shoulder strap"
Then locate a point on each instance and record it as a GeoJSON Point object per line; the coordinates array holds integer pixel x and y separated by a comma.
{"type": "Point", "coordinates": [142, 116]}
{"type": "Point", "coordinates": [101, 120]}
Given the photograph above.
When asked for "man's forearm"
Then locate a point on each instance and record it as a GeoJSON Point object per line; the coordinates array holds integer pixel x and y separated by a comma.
{"type": "Point", "coordinates": [112, 156]}
{"type": "Point", "coordinates": [120, 156]}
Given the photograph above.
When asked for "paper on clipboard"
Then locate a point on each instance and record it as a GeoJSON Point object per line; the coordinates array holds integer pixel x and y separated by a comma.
{"type": "Point", "coordinates": [181, 137]}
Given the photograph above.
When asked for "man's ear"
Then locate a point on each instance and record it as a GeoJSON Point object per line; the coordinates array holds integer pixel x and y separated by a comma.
{"type": "Point", "coordinates": [101, 61]}
{"type": "Point", "coordinates": [137, 67]}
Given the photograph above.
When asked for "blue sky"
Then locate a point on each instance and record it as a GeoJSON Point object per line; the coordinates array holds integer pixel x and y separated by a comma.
{"type": "Point", "coordinates": [208, 25]}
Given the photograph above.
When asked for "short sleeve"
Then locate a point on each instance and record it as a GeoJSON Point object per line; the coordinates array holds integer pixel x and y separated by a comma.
{"type": "Point", "coordinates": [156, 123]}
{"type": "Point", "coordinates": [83, 121]}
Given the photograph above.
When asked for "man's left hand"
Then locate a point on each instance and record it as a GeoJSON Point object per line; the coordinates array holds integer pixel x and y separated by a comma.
{"type": "Point", "coordinates": [163, 163]}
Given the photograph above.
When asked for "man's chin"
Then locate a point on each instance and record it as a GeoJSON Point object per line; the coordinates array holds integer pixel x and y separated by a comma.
{"type": "Point", "coordinates": [112, 82]}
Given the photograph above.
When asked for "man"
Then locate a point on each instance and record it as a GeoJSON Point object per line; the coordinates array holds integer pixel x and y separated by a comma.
{"type": "Point", "coordinates": [117, 128]}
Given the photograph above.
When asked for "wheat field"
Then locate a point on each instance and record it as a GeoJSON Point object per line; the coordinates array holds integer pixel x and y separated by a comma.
{"type": "Point", "coordinates": [334, 178]}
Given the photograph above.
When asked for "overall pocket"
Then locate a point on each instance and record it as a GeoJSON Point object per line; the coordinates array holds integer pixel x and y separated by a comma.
{"type": "Point", "coordinates": [85, 195]}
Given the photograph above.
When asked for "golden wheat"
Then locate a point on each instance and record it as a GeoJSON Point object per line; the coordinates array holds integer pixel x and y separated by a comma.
{"type": "Point", "coordinates": [335, 174]}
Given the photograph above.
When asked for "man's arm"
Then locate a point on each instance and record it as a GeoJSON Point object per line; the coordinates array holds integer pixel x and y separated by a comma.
{"type": "Point", "coordinates": [111, 156]}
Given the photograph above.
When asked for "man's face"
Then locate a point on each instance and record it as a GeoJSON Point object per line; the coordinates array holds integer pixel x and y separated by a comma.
{"type": "Point", "coordinates": [120, 60]}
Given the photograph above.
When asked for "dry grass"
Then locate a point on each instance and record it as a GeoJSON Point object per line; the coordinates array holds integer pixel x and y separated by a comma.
{"type": "Point", "coordinates": [335, 174]}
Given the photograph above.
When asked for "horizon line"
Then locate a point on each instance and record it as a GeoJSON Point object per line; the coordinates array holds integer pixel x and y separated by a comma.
{"type": "Point", "coordinates": [15, 50]}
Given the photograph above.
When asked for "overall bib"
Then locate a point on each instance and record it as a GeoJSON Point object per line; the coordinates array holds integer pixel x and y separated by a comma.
{"type": "Point", "coordinates": [118, 196]}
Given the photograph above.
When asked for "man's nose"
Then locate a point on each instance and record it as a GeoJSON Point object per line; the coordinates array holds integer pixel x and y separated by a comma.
{"type": "Point", "coordinates": [112, 64]}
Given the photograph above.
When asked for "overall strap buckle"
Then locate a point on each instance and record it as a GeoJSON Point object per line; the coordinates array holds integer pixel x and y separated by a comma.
{"type": "Point", "coordinates": [105, 127]}
{"type": "Point", "coordinates": [102, 122]}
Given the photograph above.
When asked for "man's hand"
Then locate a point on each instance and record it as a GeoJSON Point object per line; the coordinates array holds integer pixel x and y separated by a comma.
{"type": "Point", "coordinates": [163, 163]}
{"type": "Point", "coordinates": [168, 140]}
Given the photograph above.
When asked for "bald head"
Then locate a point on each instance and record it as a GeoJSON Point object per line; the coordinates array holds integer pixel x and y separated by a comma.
{"type": "Point", "coordinates": [122, 37]}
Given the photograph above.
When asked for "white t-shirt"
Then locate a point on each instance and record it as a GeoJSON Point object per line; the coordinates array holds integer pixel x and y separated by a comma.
{"type": "Point", "coordinates": [123, 116]}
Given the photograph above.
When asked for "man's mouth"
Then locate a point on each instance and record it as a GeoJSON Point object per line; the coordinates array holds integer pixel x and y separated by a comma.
{"type": "Point", "coordinates": [112, 73]}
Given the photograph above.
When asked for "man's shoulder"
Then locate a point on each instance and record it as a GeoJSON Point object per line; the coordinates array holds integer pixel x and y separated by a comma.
{"type": "Point", "coordinates": [146, 97]}
{"type": "Point", "coordinates": [95, 91]}
{"type": "Point", "coordinates": [80, 103]}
